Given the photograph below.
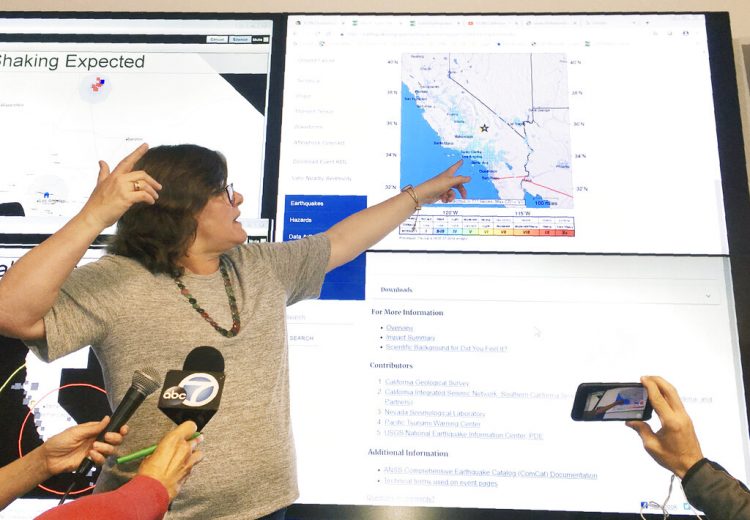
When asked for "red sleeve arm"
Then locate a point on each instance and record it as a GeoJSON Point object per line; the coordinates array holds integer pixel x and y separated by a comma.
{"type": "Point", "coordinates": [143, 498]}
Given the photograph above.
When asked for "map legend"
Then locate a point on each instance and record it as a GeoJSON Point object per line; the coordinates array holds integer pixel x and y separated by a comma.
{"type": "Point", "coordinates": [488, 226]}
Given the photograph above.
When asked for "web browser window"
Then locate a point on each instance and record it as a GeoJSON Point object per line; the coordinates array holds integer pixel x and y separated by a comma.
{"type": "Point", "coordinates": [451, 384]}
{"type": "Point", "coordinates": [581, 133]}
{"type": "Point", "coordinates": [76, 91]}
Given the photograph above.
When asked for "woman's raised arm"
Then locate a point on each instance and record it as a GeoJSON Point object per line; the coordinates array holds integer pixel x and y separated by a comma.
{"type": "Point", "coordinates": [29, 288]}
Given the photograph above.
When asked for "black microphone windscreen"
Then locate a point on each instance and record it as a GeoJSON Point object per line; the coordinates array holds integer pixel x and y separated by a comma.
{"type": "Point", "coordinates": [204, 359]}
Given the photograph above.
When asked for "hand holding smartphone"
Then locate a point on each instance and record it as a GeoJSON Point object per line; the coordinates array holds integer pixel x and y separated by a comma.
{"type": "Point", "coordinates": [611, 402]}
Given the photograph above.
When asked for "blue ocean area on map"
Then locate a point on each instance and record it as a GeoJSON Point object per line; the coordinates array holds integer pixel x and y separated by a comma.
{"type": "Point", "coordinates": [535, 201]}
{"type": "Point", "coordinates": [421, 157]}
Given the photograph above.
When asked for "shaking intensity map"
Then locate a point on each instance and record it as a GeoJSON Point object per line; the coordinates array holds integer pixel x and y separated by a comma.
{"type": "Point", "coordinates": [506, 115]}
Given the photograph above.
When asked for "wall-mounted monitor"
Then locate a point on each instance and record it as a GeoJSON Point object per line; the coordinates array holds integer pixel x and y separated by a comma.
{"type": "Point", "coordinates": [582, 133]}
{"type": "Point", "coordinates": [75, 90]}
{"type": "Point", "coordinates": [604, 235]}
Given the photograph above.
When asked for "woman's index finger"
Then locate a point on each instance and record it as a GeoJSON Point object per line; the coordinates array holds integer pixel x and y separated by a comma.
{"type": "Point", "coordinates": [127, 163]}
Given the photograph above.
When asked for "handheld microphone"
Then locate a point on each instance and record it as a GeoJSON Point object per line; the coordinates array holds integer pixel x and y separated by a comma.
{"type": "Point", "coordinates": [144, 383]}
{"type": "Point", "coordinates": [190, 394]}
{"type": "Point", "coordinates": [194, 393]}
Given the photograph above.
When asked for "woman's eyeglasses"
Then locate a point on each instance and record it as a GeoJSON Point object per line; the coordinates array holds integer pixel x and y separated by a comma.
{"type": "Point", "coordinates": [229, 188]}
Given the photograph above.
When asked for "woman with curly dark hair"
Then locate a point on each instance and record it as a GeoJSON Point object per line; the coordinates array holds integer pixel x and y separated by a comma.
{"type": "Point", "coordinates": [180, 274]}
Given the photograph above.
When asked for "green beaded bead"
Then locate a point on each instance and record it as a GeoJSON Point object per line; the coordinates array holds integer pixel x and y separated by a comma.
{"type": "Point", "coordinates": [230, 297]}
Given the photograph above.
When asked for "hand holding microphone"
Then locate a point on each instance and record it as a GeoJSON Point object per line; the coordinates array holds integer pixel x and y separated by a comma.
{"type": "Point", "coordinates": [175, 455]}
{"type": "Point", "coordinates": [191, 394]}
{"type": "Point", "coordinates": [144, 383]}
{"type": "Point", "coordinates": [63, 452]}
{"type": "Point", "coordinates": [174, 458]}
{"type": "Point", "coordinates": [190, 397]}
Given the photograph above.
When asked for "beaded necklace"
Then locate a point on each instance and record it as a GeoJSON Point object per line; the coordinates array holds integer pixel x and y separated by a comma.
{"type": "Point", "coordinates": [232, 304]}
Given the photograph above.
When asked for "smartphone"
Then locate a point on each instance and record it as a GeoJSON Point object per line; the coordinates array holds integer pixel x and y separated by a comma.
{"type": "Point", "coordinates": [611, 402]}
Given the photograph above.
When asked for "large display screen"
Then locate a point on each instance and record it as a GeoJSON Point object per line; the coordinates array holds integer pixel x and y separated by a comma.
{"type": "Point", "coordinates": [76, 91]}
{"type": "Point", "coordinates": [600, 240]}
{"type": "Point", "coordinates": [451, 384]}
{"type": "Point", "coordinates": [581, 133]}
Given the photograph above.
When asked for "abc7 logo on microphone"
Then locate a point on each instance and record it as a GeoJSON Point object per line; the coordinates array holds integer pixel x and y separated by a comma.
{"type": "Point", "coordinates": [195, 390]}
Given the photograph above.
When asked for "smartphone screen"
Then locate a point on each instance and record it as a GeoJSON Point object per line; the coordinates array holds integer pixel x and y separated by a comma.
{"type": "Point", "coordinates": [611, 402]}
